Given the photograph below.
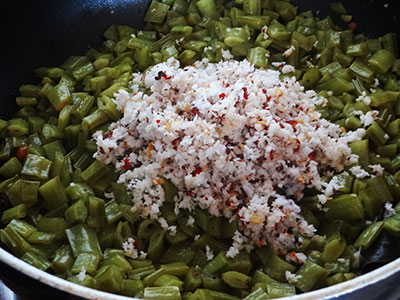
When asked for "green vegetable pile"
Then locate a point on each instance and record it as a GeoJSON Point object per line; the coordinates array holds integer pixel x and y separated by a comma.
{"type": "Point", "coordinates": [57, 215]}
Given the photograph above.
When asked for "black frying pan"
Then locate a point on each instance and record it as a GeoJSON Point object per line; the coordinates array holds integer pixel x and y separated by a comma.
{"type": "Point", "coordinates": [45, 33]}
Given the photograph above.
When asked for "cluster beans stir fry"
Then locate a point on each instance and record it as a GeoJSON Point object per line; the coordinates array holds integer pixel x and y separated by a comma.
{"type": "Point", "coordinates": [65, 213]}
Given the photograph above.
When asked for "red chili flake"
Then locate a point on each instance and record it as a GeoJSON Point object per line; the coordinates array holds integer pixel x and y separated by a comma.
{"type": "Point", "coordinates": [228, 202]}
{"type": "Point", "coordinates": [22, 152]}
{"type": "Point", "coordinates": [161, 74]}
{"type": "Point", "coordinates": [127, 164]}
{"type": "Point", "coordinates": [135, 245]}
{"type": "Point", "coordinates": [110, 149]}
{"type": "Point", "coordinates": [62, 105]}
{"type": "Point", "coordinates": [101, 150]}
{"type": "Point", "coordinates": [195, 111]}
{"type": "Point", "coordinates": [239, 216]}
{"type": "Point", "coordinates": [245, 94]}
{"type": "Point", "coordinates": [297, 149]}
{"type": "Point", "coordinates": [271, 154]}
{"type": "Point", "coordinates": [311, 156]}
{"type": "Point", "coordinates": [175, 142]}
{"type": "Point", "coordinates": [264, 91]}
{"type": "Point", "coordinates": [352, 26]}
{"type": "Point", "coordinates": [158, 121]}
{"type": "Point", "coordinates": [190, 193]}
{"type": "Point", "coordinates": [222, 118]}
{"type": "Point", "coordinates": [281, 125]}
{"type": "Point", "coordinates": [227, 85]}
{"type": "Point", "coordinates": [197, 171]}
{"type": "Point", "coordinates": [107, 135]}
{"type": "Point", "coordinates": [284, 231]}
{"type": "Point", "coordinates": [293, 123]}
{"type": "Point", "coordinates": [222, 96]}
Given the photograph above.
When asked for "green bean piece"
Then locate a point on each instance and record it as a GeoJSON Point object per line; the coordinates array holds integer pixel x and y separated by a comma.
{"type": "Point", "coordinates": [276, 267]}
{"type": "Point", "coordinates": [113, 213]}
{"type": "Point", "coordinates": [361, 149]}
{"type": "Point", "coordinates": [392, 224]}
{"type": "Point", "coordinates": [26, 101]}
{"type": "Point", "coordinates": [258, 56]}
{"type": "Point", "coordinates": [213, 283]}
{"type": "Point", "coordinates": [157, 12]}
{"type": "Point", "coordinates": [257, 294]}
{"type": "Point", "coordinates": [177, 269]}
{"type": "Point", "coordinates": [38, 237]}
{"type": "Point", "coordinates": [94, 172]}
{"type": "Point", "coordinates": [87, 262]}
{"type": "Point", "coordinates": [109, 278]}
{"type": "Point", "coordinates": [381, 61]}
{"type": "Point", "coordinates": [53, 193]}
{"type": "Point", "coordinates": [145, 229]}
{"type": "Point", "coordinates": [362, 70]}
{"type": "Point", "coordinates": [62, 260]}
{"type": "Point", "coordinates": [83, 239]}
{"type": "Point", "coordinates": [36, 261]}
{"type": "Point", "coordinates": [278, 289]}
{"type": "Point", "coordinates": [11, 168]}
{"type": "Point", "coordinates": [59, 96]}
{"type": "Point", "coordinates": [56, 226]}
{"type": "Point", "coordinates": [36, 167]}
{"type": "Point", "coordinates": [142, 272]}
{"type": "Point", "coordinates": [382, 97]}
{"type": "Point", "coordinates": [16, 212]}
{"type": "Point", "coordinates": [131, 287]}
{"type": "Point", "coordinates": [29, 90]}
{"type": "Point", "coordinates": [156, 245]}
{"type": "Point", "coordinates": [136, 264]}
{"type": "Point", "coordinates": [192, 280]}
{"type": "Point", "coordinates": [345, 207]}
{"type": "Point", "coordinates": [368, 236]}
{"type": "Point", "coordinates": [338, 86]}
{"type": "Point", "coordinates": [222, 296]}
{"type": "Point", "coordinates": [119, 261]}
{"type": "Point", "coordinates": [88, 281]}
{"type": "Point", "coordinates": [310, 274]}
{"type": "Point", "coordinates": [357, 49]}
{"type": "Point", "coordinates": [236, 36]}
{"type": "Point", "coordinates": [214, 245]}
{"type": "Point", "coordinates": [338, 266]}
{"type": "Point", "coordinates": [76, 213]}
{"type": "Point", "coordinates": [168, 280]}
{"type": "Point", "coordinates": [162, 293]}
{"type": "Point", "coordinates": [11, 238]}
{"type": "Point", "coordinates": [334, 247]}
{"type": "Point", "coordinates": [236, 279]}
{"type": "Point", "coordinates": [22, 228]}
{"type": "Point", "coordinates": [17, 127]}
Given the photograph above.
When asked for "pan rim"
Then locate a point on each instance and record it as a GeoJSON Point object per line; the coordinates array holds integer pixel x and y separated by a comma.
{"type": "Point", "coordinates": [334, 291]}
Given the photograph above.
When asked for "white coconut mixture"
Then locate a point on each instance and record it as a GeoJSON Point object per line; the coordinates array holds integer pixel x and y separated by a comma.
{"type": "Point", "coordinates": [235, 140]}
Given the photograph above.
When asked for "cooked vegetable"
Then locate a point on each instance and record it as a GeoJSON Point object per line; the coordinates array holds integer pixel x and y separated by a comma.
{"type": "Point", "coordinates": [67, 215]}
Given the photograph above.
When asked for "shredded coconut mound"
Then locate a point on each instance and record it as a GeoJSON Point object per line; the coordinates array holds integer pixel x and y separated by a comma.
{"type": "Point", "coordinates": [234, 139]}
